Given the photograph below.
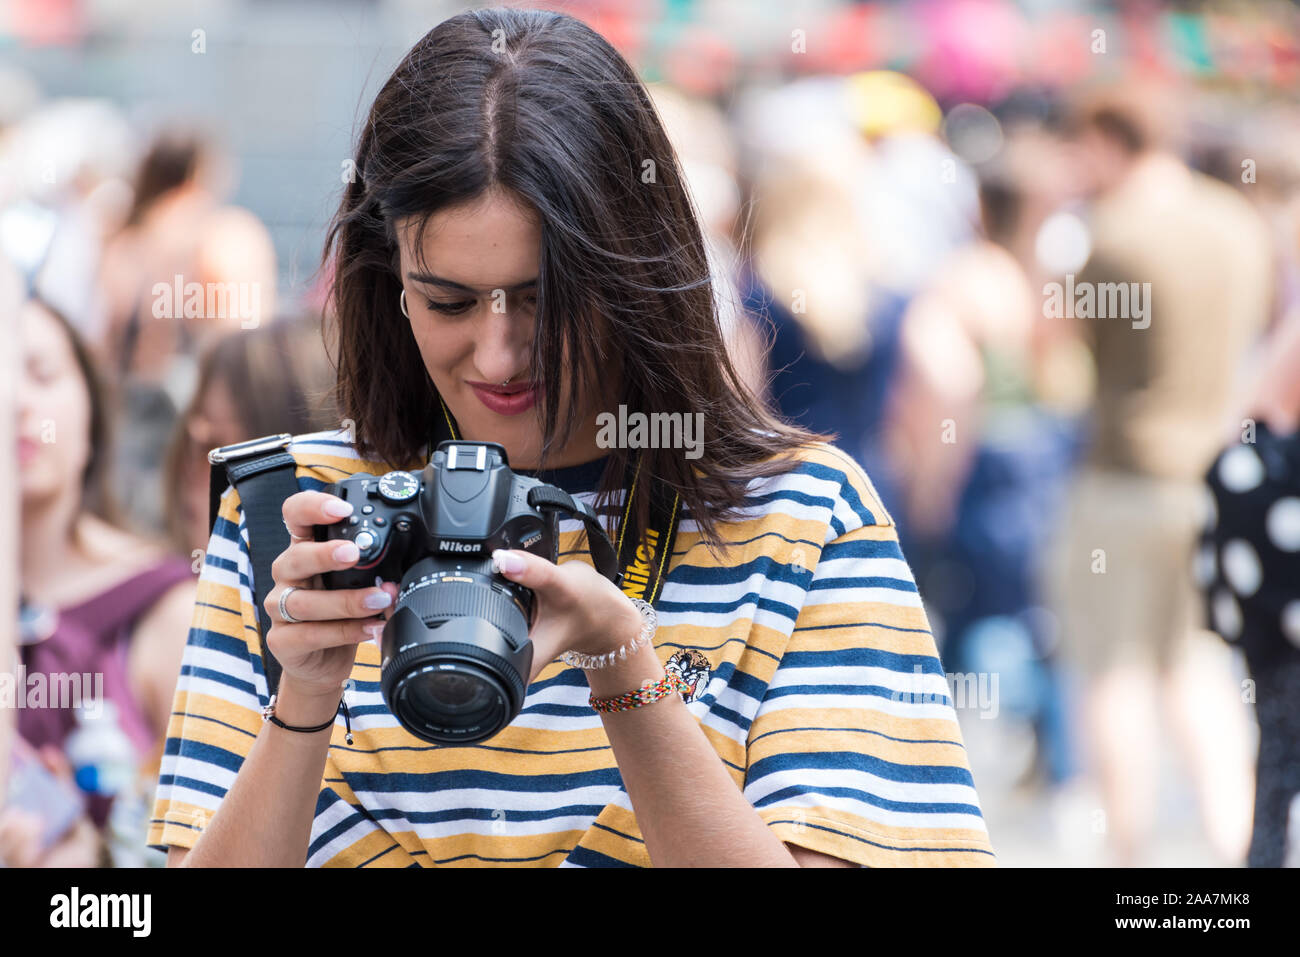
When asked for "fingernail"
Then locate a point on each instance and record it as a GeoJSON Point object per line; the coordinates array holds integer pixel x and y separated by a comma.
{"type": "Point", "coordinates": [337, 508]}
{"type": "Point", "coordinates": [374, 631]}
{"type": "Point", "coordinates": [347, 552]}
{"type": "Point", "coordinates": [507, 563]}
{"type": "Point", "coordinates": [378, 600]}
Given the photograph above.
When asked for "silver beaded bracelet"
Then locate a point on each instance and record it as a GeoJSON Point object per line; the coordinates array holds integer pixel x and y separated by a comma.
{"type": "Point", "coordinates": [593, 662]}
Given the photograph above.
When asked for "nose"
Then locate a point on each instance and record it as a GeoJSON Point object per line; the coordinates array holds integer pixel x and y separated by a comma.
{"type": "Point", "coordinates": [504, 346]}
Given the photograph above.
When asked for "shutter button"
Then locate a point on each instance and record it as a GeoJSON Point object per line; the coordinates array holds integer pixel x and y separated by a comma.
{"type": "Point", "coordinates": [364, 540]}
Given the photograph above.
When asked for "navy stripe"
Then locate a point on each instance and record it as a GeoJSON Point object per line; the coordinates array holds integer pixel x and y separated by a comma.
{"type": "Point", "coordinates": [447, 815]}
{"type": "Point", "coordinates": [864, 581]}
{"type": "Point", "coordinates": [865, 797]}
{"type": "Point", "coordinates": [432, 781]}
{"type": "Point", "coordinates": [863, 657]}
{"type": "Point", "coordinates": [230, 681]}
{"type": "Point", "coordinates": [586, 857]}
{"type": "Point", "coordinates": [792, 762]}
{"type": "Point", "coordinates": [502, 860]}
{"type": "Point", "coordinates": [888, 847]}
{"type": "Point", "coordinates": [879, 734]}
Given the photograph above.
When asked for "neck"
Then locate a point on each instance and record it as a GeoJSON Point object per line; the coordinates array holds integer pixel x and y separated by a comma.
{"type": "Point", "coordinates": [580, 449]}
{"type": "Point", "coordinates": [47, 540]}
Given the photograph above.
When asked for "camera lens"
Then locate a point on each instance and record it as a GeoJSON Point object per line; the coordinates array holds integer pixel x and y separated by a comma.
{"type": "Point", "coordinates": [456, 652]}
{"type": "Point", "coordinates": [465, 699]}
{"type": "Point", "coordinates": [457, 692]}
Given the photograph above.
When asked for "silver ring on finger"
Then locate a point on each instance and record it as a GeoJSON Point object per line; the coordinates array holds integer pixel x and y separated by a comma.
{"type": "Point", "coordinates": [293, 537]}
{"type": "Point", "coordinates": [287, 618]}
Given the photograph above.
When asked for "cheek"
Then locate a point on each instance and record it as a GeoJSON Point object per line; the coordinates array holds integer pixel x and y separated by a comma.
{"type": "Point", "coordinates": [441, 348]}
{"type": "Point", "coordinates": [64, 418]}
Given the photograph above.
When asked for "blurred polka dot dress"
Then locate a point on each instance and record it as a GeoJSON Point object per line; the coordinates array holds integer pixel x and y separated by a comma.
{"type": "Point", "coordinates": [1247, 565]}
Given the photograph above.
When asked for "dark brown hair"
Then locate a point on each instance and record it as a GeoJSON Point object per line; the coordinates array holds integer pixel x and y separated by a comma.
{"type": "Point", "coordinates": [279, 378]}
{"type": "Point", "coordinates": [537, 104]}
{"type": "Point", "coordinates": [171, 162]}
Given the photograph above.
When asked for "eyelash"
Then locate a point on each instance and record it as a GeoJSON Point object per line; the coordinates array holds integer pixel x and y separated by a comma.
{"type": "Point", "coordinates": [449, 308]}
{"type": "Point", "coordinates": [456, 308]}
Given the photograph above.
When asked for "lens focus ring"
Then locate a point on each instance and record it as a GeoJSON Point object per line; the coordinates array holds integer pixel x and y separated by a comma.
{"type": "Point", "coordinates": [439, 602]}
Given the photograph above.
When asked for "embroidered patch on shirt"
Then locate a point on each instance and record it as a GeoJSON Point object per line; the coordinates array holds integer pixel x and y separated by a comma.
{"type": "Point", "coordinates": [693, 668]}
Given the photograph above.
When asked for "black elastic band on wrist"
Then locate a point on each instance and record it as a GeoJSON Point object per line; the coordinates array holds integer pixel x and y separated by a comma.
{"type": "Point", "coordinates": [269, 714]}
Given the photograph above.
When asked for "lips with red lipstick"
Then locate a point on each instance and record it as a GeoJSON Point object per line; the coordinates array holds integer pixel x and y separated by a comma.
{"type": "Point", "coordinates": [513, 399]}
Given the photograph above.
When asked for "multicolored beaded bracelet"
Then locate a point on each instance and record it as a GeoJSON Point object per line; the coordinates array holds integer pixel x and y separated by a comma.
{"type": "Point", "coordinates": [649, 692]}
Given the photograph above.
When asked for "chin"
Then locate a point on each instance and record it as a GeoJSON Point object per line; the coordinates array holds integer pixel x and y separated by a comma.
{"type": "Point", "coordinates": [520, 436]}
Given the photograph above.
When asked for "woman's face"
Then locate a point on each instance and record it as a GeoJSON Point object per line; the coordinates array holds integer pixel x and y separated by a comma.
{"type": "Point", "coordinates": [53, 411]}
{"type": "Point", "coordinates": [471, 296]}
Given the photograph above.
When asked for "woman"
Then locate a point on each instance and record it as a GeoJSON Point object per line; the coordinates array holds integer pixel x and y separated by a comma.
{"type": "Point", "coordinates": [118, 605]}
{"type": "Point", "coordinates": [251, 383]}
{"type": "Point", "coordinates": [178, 238]}
{"type": "Point", "coordinates": [1248, 567]}
{"type": "Point", "coordinates": [501, 252]}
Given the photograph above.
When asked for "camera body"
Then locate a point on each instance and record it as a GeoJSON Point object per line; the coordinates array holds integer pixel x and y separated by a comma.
{"type": "Point", "coordinates": [455, 653]}
{"type": "Point", "coordinates": [464, 504]}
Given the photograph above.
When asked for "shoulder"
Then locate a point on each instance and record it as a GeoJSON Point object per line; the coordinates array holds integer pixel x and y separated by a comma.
{"type": "Point", "coordinates": [321, 458]}
{"type": "Point", "coordinates": [325, 457]}
{"type": "Point", "coordinates": [822, 483]}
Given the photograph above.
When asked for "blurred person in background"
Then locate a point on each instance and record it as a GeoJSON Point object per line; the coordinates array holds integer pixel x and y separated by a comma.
{"type": "Point", "coordinates": [183, 268]}
{"type": "Point", "coordinates": [10, 299]}
{"type": "Point", "coordinates": [981, 459]}
{"type": "Point", "coordinates": [67, 165]}
{"type": "Point", "coordinates": [1248, 565]}
{"type": "Point", "coordinates": [700, 135]}
{"type": "Point", "coordinates": [252, 383]}
{"type": "Point", "coordinates": [822, 276]}
{"type": "Point", "coordinates": [114, 604]}
{"type": "Point", "coordinates": [1163, 389]}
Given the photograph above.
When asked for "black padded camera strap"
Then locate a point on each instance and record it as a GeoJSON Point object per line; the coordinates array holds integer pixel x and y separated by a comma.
{"type": "Point", "coordinates": [263, 481]}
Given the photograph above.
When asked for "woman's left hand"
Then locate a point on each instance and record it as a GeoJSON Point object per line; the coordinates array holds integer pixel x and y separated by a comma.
{"type": "Point", "coordinates": [576, 608]}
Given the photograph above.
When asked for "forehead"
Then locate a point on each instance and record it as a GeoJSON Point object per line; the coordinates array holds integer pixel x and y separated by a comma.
{"type": "Point", "coordinates": [491, 242]}
{"type": "Point", "coordinates": [42, 335]}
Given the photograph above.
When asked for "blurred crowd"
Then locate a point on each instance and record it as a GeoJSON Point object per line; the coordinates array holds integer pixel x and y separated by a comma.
{"type": "Point", "coordinates": [1059, 328]}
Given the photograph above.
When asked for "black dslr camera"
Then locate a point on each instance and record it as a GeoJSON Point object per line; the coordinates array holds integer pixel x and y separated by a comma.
{"type": "Point", "coordinates": [456, 653]}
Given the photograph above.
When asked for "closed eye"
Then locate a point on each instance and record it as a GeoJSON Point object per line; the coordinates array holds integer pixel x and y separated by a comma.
{"type": "Point", "coordinates": [450, 308]}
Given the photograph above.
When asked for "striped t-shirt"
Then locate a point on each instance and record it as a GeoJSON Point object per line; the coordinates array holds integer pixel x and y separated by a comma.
{"type": "Point", "coordinates": [815, 678]}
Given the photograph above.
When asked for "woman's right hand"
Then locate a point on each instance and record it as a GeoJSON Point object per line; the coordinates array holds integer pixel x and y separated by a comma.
{"type": "Point", "coordinates": [317, 653]}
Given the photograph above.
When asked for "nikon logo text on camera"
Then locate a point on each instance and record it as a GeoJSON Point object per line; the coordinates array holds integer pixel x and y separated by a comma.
{"type": "Point", "coordinates": [447, 545]}
{"type": "Point", "coordinates": [658, 430]}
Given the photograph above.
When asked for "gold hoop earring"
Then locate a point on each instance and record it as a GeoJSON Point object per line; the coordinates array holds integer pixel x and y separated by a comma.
{"type": "Point", "coordinates": [402, 300]}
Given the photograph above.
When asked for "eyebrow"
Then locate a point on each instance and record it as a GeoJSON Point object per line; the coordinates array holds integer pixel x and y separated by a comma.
{"type": "Point", "coordinates": [432, 280]}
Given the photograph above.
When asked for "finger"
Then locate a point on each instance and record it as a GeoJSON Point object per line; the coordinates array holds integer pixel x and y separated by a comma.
{"type": "Point", "coordinates": [391, 589]}
{"type": "Point", "coordinates": [306, 604]}
{"type": "Point", "coordinates": [531, 571]}
{"type": "Point", "coordinates": [302, 510]}
{"type": "Point", "coordinates": [302, 561]}
{"type": "Point", "coordinates": [295, 641]}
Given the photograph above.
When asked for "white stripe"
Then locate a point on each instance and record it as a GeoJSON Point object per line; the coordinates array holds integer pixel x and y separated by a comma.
{"type": "Point", "coordinates": [924, 683]}
{"type": "Point", "coordinates": [857, 566]}
{"type": "Point", "coordinates": [864, 596]}
{"type": "Point", "coordinates": [916, 711]}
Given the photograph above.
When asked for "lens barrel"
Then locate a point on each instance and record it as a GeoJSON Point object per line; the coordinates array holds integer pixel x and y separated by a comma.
{"type": "Point", "coordinates": [456, 653]}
